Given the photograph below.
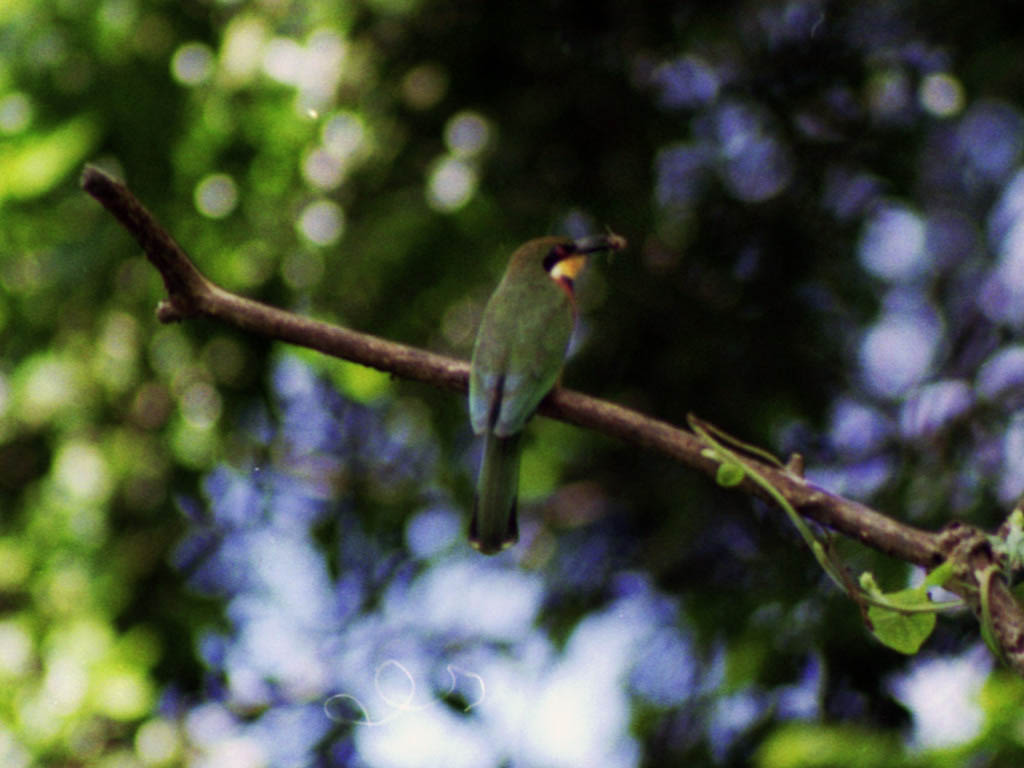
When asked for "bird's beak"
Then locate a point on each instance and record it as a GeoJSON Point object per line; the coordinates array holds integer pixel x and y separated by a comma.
{"type": "Point", "coordinates": [594, 243]}
{"type": "Point", "coordinates": [571, 264]}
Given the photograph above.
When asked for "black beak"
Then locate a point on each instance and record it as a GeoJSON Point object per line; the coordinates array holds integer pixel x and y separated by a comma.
{"type": "Point", "coordinates": [594, 243]}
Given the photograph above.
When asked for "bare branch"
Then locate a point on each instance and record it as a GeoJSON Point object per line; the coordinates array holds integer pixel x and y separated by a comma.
{"type": "Point", "coordinates": [190, 293]}
{"type": "Point", "coordinates": [183, 281]}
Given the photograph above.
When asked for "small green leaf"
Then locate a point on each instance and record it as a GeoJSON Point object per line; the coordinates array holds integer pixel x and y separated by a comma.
{"type": "Point", "coordinates": [940, 575]}
{"type": "Point", "coordinates": [903, 632]}
{"type": "Point", "coordinates": [730, 475]}
{"type": "Point", "coordinates": [869, 585]}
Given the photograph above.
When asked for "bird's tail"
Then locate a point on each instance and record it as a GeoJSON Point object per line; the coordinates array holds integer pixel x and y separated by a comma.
{"type": "Point", "coordinates": [494, 526]}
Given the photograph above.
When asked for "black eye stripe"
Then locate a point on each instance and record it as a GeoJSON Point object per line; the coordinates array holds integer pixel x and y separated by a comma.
{"type": "Point", "coordinates": [557, 253]}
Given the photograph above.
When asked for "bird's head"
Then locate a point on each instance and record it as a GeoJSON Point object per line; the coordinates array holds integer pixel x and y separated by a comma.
{"type": "Point", "coordinates": [563, 258]}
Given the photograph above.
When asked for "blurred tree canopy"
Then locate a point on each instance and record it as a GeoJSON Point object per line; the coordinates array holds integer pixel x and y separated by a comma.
{"type": "Point", "coordinates": [217, 550]}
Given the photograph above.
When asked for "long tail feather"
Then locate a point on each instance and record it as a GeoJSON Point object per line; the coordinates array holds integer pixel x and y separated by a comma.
{"type": "Point", "coordinates": [494, 526]}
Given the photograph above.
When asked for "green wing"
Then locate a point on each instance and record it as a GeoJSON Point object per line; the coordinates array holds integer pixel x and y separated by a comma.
{"type": "Point", "coordinates": [517, 358]}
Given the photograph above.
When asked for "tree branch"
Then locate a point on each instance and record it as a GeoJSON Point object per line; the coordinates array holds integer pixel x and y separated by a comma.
{"type": "Point", "coordinates": [190, 294]}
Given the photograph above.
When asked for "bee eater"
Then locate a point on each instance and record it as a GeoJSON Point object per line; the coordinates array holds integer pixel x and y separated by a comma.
{"type": "Point", "coordinates": [517, 358]}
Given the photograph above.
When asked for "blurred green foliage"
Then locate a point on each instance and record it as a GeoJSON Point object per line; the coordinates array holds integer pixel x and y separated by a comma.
{"type": "Point", "coordinates": [372, 163]}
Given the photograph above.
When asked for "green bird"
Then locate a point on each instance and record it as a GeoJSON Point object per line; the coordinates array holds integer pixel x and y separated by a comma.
{"type": "Point", "coordinates": [517, 358]}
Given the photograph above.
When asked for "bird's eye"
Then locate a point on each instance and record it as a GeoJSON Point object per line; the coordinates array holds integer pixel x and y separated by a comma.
{"type": "Point", "coordinates": [556, 254]}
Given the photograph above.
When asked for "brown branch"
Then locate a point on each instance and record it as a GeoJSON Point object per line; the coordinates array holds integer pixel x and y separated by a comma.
{"type": "Point", "coordinates": [192, 294]}
{"type": "Point", "coordinates": [972, 554]}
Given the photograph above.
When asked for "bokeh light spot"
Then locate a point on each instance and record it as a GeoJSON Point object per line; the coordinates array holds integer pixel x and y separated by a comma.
{"type": "Point", "coordinates": [120, 338]}
{"type": "Point", "coordinates": [897, 353]}
{"type": "Point", "coordinates": [16, 649]}
{"type": "Point", "coordinates": [343, 135]}
{"type": "Point", "coordinates": [943, 695]}
{"type": "Point", "coordinates": [433, 531]}
{"type": "Point", "coordinates": [283, 60]}
{"type": "Point", "coordinates": [424, 86]}
{"type": "Point", "coordinates": [236, 752]}
{"type": "Point", "coordinates": [200, 405]}
{"type": "Point", "coordinates": [157, 742]}
{"type": "Point", "coordinates": [754, 164]}
{"type": "Point", "coordinates": [46, 385]}
{"type": "Point", "coordinates": [324, 58]}
{"type": "Point", "coordinates": [990, 138]}
{"type": "Point", "coordinates": [934, 407]}
{"type": "Point", "coordinates": [1002, 373]}
{"type": "Point", "coordinates": [322, 170]}
{"type": "Point", "coordinates": [242, 50]}
{"type": "Point", "coordinates": [81, 471]}
{"type": "Point", "coordinates": [322, 222]}
{"type": "Point", "coordinates": [687, 82]}
{"type": "Point", "coordinates": [857, 430]}
{"type": "Point", "coordinates": [1011, 476]}
{"type": "Point", "coordinates": [65, 684]}
{"type": "Point", "coordinates": [892, 244]}
{"type": "Point", "coordinates": [1002, 294]}
{"type": "Point", "coordinates": [192, 63]}
{"type": "Point", "coordinates": [467, 134]}
{"type": "Point", "coordinates": [451, 184]}
{"type": "Point", "coordinates": [941, 94]}
{"type": "Point", "coordinates": [122, 692]}
{"type": "Point", "coordinates": [216, 196]}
